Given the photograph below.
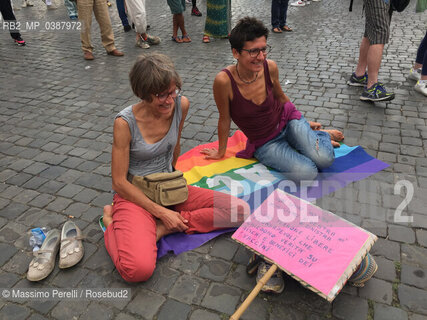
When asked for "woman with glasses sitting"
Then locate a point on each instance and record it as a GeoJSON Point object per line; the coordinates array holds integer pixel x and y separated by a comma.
{"type": "Point", "coordinates": [249, 93]}
{"type": "Point", "coordinates": [146, 140]}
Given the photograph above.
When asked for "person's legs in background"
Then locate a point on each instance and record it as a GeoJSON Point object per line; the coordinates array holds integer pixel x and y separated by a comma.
{"type": "Point", "coordinates": [194, 10]}
{"type": "Point", "coordinates": [85, 9]}
{"type": "Point", "coordinates": [419, 72]}
{"type": "Point", "coordinates": [177, 8]}
{"type": "Point", "coordinates": [71, 7]}
{"type": "Point", "coordinates": [275, 16]}
{"type": "Point", "coordinates": [377, 33]}
{"type": "Point", "coordinates": [8, 15]}
{"type": "Point", "coordinates": [283, 15]}
{"type": "Point", "coordinates": [122, 14]}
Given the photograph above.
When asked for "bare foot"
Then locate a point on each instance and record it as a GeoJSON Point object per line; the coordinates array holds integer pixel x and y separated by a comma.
{"type": "Point", "coordinates": [315, 125]}
{"type": "Point", "coordinates": [336, 135]}
{"type": "Point", "coordinates": [107, 218]}
{"type": "Point", "coordinates": [161, 230]}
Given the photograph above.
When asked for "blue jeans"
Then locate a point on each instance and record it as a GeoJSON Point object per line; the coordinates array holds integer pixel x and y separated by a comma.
{"type": "Point", "coordinates": [122, 12]}
{"type": "Point", "coordinates": [279, 9]}
{"type": "Point", "coordinates": [298, 151]}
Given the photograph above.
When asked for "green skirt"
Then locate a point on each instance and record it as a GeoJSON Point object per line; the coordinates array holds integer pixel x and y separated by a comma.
{"type": "Point", "coordinates": [218, 18]}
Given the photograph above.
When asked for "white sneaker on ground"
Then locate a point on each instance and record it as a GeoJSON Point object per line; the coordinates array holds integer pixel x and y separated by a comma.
{"type": "Point", "coordinates": [421, 87]}
{"type": "Point", "coordinates": [415, 74]}
{"type": "Point", "coordinates": [298, 4]}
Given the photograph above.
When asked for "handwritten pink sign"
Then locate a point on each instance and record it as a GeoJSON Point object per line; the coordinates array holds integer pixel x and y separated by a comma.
{"type": "Point", "coordinates": [311, 244]}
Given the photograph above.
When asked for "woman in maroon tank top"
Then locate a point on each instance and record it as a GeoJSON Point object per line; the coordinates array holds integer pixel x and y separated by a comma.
{"type": "Point", "coordinates": [250, 94]}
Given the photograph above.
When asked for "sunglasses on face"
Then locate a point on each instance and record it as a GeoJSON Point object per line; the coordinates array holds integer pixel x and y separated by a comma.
{"type": "Point", "coordinates": [253, 53]}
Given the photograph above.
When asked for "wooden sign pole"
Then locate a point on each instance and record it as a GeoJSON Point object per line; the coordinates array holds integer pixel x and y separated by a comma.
{"type": "Point", "coordinates": [236, 315]}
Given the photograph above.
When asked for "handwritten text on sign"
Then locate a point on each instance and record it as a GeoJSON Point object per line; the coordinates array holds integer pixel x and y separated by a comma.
{"type": "Point", "coordinates": [313, 244]}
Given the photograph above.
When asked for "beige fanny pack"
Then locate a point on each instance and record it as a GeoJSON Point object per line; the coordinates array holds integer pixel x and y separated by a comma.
{"type": "Point", "coordinates": [164, 188]}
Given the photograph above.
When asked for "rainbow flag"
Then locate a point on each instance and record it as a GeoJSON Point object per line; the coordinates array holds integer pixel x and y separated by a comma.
{"type": "Point", "coordinates": [252, 181]}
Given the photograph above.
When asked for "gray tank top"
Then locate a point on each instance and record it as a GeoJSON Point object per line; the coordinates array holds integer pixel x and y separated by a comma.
{"type": "Point", "coordinates": [147, 158]}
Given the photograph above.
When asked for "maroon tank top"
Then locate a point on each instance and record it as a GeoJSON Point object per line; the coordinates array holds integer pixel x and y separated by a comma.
{"type": "Point", "coordinates": [260, 123]}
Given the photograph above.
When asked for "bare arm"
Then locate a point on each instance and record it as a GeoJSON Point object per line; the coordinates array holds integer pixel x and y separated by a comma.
{"type": "Point", "coordinates": [185, 105]}
{"type": "Point", "coordinates": [119, 170]}
{"type": "Point", "coordinates": [221, 91]}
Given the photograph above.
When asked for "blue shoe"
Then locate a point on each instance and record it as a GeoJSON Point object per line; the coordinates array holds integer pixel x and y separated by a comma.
{"type": "Point", "coordinates": [73, 17]}
{"type": "Point", "coordinates": [376, 93]}
{"type": "Point", "coordinates": [355, 81]}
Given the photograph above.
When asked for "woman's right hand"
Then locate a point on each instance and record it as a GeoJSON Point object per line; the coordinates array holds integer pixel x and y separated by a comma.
{"type": "Point", "coordinates": [211, 153]}
{"type": "Point", "coordinates": [173, 221]}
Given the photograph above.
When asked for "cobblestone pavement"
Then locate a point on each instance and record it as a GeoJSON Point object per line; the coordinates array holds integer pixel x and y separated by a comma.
{"type": "Point", "coordinates": [55, 140]}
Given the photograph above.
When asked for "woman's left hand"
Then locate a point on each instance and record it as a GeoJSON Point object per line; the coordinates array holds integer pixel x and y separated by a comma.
{"type": "Point", "coordinates": [211, 153]}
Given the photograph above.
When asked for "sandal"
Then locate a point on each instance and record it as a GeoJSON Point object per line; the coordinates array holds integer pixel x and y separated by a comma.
{"type": "Point", "coordinates": [177, 39]}
{"type": "Point", "coordinates": [186, 38]}
{"type": "Point", "coordinates": [101, 224]}
{"type": "Point", "coordinates": [287, 28]}
{"type": "Point", "coordinates": [277, 30]}
{"type": "Point", "coordinates": [44, 258]}
{"type": "Point", "coordinates": [71, 251]}
{"type": "Point", "coordinates": [206, 39]}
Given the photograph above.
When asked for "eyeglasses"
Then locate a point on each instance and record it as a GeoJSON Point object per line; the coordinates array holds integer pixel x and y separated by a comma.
{"type": "Point", "coordinates": [163, 96]}
{"type": "Point", "coordinates": [255, 52]}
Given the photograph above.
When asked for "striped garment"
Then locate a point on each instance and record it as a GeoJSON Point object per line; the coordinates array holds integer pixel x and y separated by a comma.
{"type": "Point", "coordinates": [377, 23]}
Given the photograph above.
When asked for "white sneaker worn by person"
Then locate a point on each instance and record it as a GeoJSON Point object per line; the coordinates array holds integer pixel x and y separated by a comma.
{"type": "Point", "coordinates": [141, 43]}
{"type": "Point", "coordinates": [415, 74]}
{"type": "Point", "coordinates": [421, 87]}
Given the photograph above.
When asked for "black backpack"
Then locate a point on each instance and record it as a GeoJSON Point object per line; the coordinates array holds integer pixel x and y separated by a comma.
{"type": "Point", "coordinates": [399, 5]}
{"type": "Point", "coordinates": [396, 5]}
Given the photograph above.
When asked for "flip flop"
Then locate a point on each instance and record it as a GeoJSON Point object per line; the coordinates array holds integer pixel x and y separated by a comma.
{"type": "Point", "coordinates": [276, 30]}
{"type": "Point", "coordinates": [186, 38]}
{"type": "Point", "coordinates": [287, 28]}
{"type": "Point", "coordinates": [101, 224]}
{"type": "Point", "coordinates": [177, 39]}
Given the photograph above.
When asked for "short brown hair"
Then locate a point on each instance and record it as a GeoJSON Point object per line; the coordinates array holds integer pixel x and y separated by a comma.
{"type": "Point", "coordinates": [152, 74]}
{"type": "Point", "coordinates": [246, 29]}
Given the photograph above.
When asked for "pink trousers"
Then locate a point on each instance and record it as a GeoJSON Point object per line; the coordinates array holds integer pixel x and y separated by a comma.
{"type": "Point", "coordinates": [131, 238]}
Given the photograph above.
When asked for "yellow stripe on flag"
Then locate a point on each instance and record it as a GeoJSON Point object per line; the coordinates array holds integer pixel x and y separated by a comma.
{"type": "Point", "coordinates": [197, 173]}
